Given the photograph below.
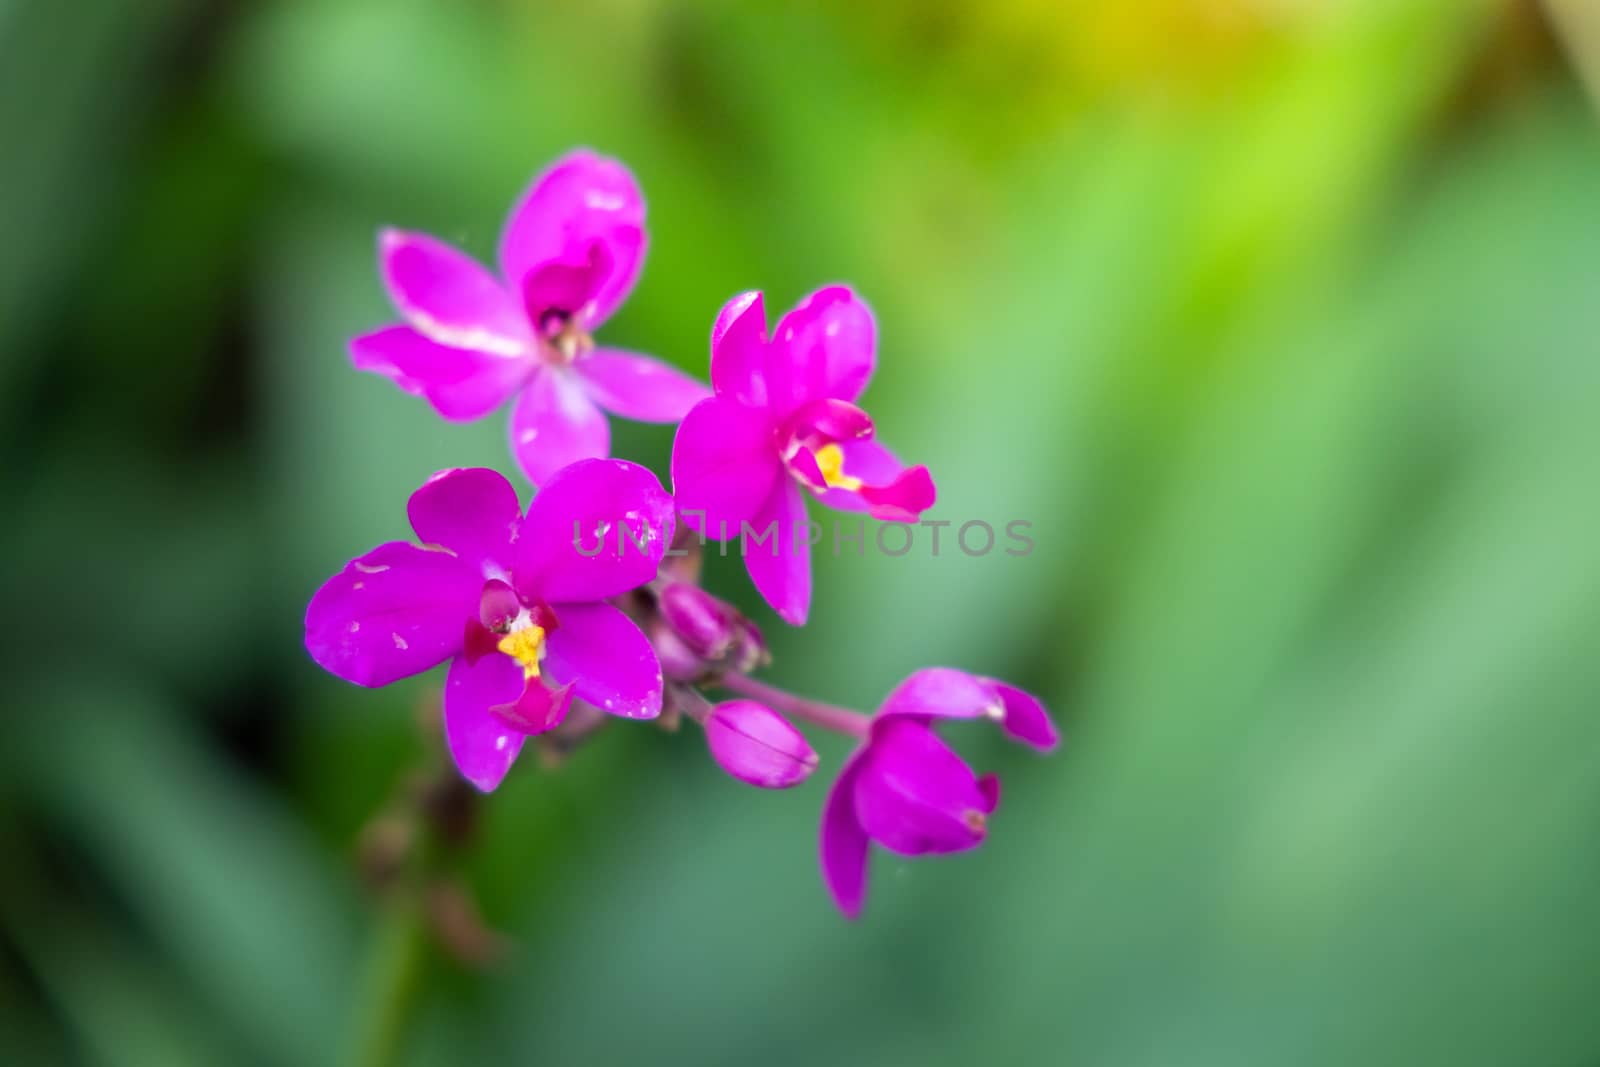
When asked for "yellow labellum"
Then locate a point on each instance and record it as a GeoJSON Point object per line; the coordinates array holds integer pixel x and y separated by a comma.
{"type": "Point", "coordinates": [830, 460]}
{"type": "Point", "coordinates": [524, 646]}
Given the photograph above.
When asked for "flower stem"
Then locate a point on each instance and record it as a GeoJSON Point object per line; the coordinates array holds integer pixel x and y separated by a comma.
{"type": "Point", "coordinates": [694, 705]}
{"type": "Point", "coordinates": [827, 716]}
{"type": "Point", "coordinates": [393, 982]}
{"type": "Point", "coordinates": [403, 850]}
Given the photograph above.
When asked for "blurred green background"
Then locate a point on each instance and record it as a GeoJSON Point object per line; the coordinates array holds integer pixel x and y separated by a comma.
{"type": "Point", "coordinates": [1277, 319]}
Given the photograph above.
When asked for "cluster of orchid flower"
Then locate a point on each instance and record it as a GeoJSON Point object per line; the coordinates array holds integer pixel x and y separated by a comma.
{"type": "Point", "coordinates": [588, 603]}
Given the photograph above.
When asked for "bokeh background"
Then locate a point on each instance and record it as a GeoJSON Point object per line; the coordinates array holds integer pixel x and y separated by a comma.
{"type": "Point", "coordinates": [1278, 320]}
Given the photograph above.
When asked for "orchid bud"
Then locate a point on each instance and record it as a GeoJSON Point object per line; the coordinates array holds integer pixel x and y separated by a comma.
{"type": "Point", "coordinates": [698, 618]}
{"type": "Point", "coordinates": [711, 629]}
{"type": "Point", "coordinates": [677, 661]}
{"type": "Point", "coordinates": [758, 746]}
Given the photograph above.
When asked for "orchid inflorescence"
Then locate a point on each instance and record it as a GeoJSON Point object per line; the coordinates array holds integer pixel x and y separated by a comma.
{"type": "Point", "coordinates": [588, 603]}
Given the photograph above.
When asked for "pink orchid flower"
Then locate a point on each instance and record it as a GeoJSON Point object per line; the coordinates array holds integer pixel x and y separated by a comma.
{"type": "Point", "coordinates": [515, 602]}
{"type": "Point", "coordinates": [570, 254]}
{"type": "Point", "coordinates": [907, 790]}
{"type": "Point", "coordinates": [784, 418]}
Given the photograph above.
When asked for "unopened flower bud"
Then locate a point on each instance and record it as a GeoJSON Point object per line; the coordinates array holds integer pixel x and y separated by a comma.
{"type": "Point", "coordinates": [710, 629]}
{"type": "Point", "coordinates": [677, 661]}
{"type": "Point", "coordinates": [758, 746]}
{"type": "Point", "coordinates": [698, 618]}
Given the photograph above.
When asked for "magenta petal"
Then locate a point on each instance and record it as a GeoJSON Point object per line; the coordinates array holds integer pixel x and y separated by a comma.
{"type": "Point", "coordinates": [477, 640]}
{"type": "Point", "coordinates": [498, 606]}
{"type": "Point", "coordinates": [392, 613]}
{"type": "Point", "coordinates": [915, 796]}
{"type": "Point", "coordinates": [802, 463]}
{"type": "Point", "coordinates": [780, 565]}
{"type": "Point", "coordinates": [566, 287]}
{"type": "Point", "coordinates": [944, 693]}
{"type": "Point", "coordinates": [825, 347]}
{"type": "Point", "coordinates": [739, 350]}
{"type": "Point", "coordinates": [989, 789]}
{"type": "Point", "coordinates": [724, 466]}
{"type": "Point", "coordinates": [472, 511]}
{"type": "Point", "coordinates": [639, 387]}
{"type": "Point", "coordinates": [448, 296]}
{"type": "Point", "coordinates": [555, 423]}
{"type": "Point", "coordinates": [597, 530]}
{"type": "Point", "coordinates": [842, 847]}
{"type": "Point", "coordinates": [537, 709]}
{"type": "Point", "coordinates": [1024, 717]}
{"type": "Point", "coordinates": [902, 500]}
{"type": "Point", "coordinates": [758, 746]}
{"type": "Point", "coordinates": [582, 198]}
{"type": "Point", "coordinates": [460, 383]}
{"type": "Point", "coordinates": [481, 743]}
{"type": "Point", "coordinates": [825, 421]}
{"type": "Point", "coordinates": [606, 658]}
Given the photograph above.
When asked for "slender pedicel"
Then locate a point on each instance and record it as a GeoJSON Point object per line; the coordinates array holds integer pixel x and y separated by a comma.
{"type": "Point", "coordinates": [690, 701]}
{"type": "Point", "coordinates": [827, 716]}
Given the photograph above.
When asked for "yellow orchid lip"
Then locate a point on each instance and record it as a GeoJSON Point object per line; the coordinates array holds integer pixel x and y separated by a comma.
{"type": "Point", "coordinates": [830, 460]}
{"type": "Point", "coordinates": [524, 646]}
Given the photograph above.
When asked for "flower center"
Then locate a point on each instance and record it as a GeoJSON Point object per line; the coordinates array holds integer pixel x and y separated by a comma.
{"type": "Point", "coordinates": [525, 645]}
{"type": "Point", "coordinates": [830, 460]}
{"type": "Point", "coordinates": [565, 339]}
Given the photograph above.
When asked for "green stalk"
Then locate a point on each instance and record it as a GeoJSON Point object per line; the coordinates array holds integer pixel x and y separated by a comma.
{"type": "Point", "coordinates": [394, 981]}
